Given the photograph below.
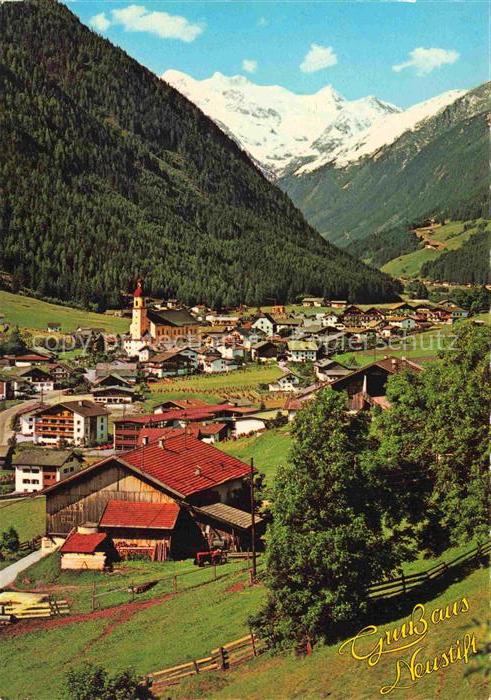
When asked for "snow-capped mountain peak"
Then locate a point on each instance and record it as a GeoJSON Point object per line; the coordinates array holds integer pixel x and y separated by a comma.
{"type": "Point", "coordinates": [285, 132]}
{"type": "Point", "coordinates": [277, 127]}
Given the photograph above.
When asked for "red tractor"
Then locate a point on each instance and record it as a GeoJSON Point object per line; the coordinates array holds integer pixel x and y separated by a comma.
{"type": "Point", "coordinates": [212, 556]}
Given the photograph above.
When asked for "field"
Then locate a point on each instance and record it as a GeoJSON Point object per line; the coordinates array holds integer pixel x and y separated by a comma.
{"type": "Point", "coordinates": [26, 515]}
{"type": "Point", "coordinates": [269, 450]}
{"type": "Point", "coordinates": [33, 314]}
{"type": "Point", "coordinates": [213, 387]}
{"type": "Point", "coordinates": [326, 673]}
{"type": "Point", "coordinates": [452, 236]}
{"type": "Point", "coordinates": [150, 635]}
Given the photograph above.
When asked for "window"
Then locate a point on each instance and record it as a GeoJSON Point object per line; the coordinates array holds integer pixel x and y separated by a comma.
{"type": "Point", "coordinates": [26, 481]}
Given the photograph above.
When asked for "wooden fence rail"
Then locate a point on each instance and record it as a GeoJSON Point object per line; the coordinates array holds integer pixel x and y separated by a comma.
{"type": "Point", "coordinates": [30, 545]}
{"type": "Point", "coordinates": [222, 658]}
{"type": "Point", "coordinates": [134, 588]}
{"type": "Point", "coordinates": [405, 583]}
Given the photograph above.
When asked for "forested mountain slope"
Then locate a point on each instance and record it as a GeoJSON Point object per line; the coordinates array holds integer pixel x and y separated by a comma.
{"type": "Point", "coordinates": [107, 172]}
{"type": "Point", "coordinates": [439, 168]}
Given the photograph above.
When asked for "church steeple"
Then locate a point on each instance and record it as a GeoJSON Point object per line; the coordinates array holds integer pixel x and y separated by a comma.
{"type": "Point", "coordinates": [139, 321]}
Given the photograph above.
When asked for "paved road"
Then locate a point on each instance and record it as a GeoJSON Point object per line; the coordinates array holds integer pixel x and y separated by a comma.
{"type": "Point", "coordinates": [9, 574]}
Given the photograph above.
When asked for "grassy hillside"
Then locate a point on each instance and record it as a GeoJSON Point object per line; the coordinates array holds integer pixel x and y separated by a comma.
{"type": "Point", "coordinates": [181, 628]}
{"type": "Point", "coordinates": [326, 673]}
{"type": "Point", "coordinates": [441, 167]}
{"type": "Point", "coordinates": [451, 236]}
{"type": "Point", "coordinates": [131, 178]}
{"type": "Point", "coordinates": [27, 312]}
{"type": "Point", "coordinates": [269, 450]}
{"type": "Point", "coordinates": [26, 515]}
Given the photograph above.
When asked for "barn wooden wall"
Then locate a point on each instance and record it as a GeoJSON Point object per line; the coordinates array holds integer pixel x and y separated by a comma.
{"type": "Point", "coordinates": [84, 499]}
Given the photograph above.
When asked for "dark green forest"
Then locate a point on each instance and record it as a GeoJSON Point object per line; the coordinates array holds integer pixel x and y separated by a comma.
{"type": "Point", "coordinates": [383, 246]}
{"type": "Point", "coordinates": [108, 173]}
{"type": "Point", "coordinates": [466, 265]}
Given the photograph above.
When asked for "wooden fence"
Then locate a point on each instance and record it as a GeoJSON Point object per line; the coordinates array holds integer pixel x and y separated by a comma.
{"type": "Point", "coordinates": [406, 583]}
{"type": "Point", "coordinates": [224, 657]}
{"type": "Point", "coordinates": [30, 545]}
{"type": "Point", "coordinates": [217, 572]}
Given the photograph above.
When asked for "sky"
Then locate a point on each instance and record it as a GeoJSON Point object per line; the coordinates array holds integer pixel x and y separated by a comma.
{"type": "Point", "coordinates": [402, 51]}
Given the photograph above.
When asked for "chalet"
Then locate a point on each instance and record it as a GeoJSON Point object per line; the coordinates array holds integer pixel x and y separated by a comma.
{"type": "Point", "coordinates": [114, 395]}
{"type": "Point", "coordinates": [338, 304]}
{"type": "Point", "coordinates": [79, 422]}
{"type": "Point", "coordinates": [54, 327]}
{"type": "Point", "coordinates": [124, 370]}
{"type": "Point", "coordinates": [173, 363]}
{"type": "Point", "coordinates": [213, 363]}
{"type": "Point", "coordinates": [249, 337]}
{"type": "Point", "coordinates": [35, 378]}
{"type": "Point", "coordinates": [265, 323]}
{"type": "Point", "coordinates": [405, 323]}
{"type": "Point", "coordinates": [37, 468]}
{"type": "Point", "coordinates": [232, 352]}
{"type": "Point", "coordinates": [367, 386]}
{"type": "Point", "coordinates": [310, 302]}
{"type": "Point", "coordinates": [327, 370]}
{"type": "Point", "coordinates": [110, 380]}
{"type": "Point", "coordinates": [179, 404]}
{"type": "Point", "coordinates": [163, 500]}
{"type": "Point", "coordinates": [59, 371]}
{"type": "Point", "coordinates": [458, 313]}
{"type": "Point", "coordinates": [27, 359]}
{"type": "Point", "coordinates": [264, 351]}
{"type": "Point", "coordinates": [288, 382]}
{"type": "Point", "coordinates": [302, 350]}
{"type": "Point", "coordinates": [330, 320]}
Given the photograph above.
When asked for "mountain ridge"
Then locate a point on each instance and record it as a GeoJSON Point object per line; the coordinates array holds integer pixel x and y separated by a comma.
{"type": "Point", "coordinates": [439, 168]}
{"type": "Point", "coordinates": [280, 129]}
{"type": "Point", "coordinates": [99, 185]}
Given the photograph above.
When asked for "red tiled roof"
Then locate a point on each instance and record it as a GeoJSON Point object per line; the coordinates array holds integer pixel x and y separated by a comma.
{"type": "Point", "coordinates": [161, 516]}
{"type": "Point", "coordinates": [79, 543]}
{"type": "Point", "coordinates": [185, 464]}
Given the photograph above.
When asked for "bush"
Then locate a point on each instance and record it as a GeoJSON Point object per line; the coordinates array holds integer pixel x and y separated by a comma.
{"type": "Point", "coordinates": [89, 682]}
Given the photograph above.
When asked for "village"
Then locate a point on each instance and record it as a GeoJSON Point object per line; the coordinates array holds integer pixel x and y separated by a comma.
{"type": "Point", "coordinates": [80, 434]}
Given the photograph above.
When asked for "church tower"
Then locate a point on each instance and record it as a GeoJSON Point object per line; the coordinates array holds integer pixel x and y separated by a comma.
{"type": "Point", "coordinates": [139, 320]}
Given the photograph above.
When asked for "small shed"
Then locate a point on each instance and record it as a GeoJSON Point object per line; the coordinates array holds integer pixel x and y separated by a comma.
{"type": "Point", "coordinates": [85, 549]}
{"type": "Point", "coordinates": [140, 528]}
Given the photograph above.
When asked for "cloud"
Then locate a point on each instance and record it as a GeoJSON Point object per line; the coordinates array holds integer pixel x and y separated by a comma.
{"type": "Point", "coordinates": [100, 22]}
{"type": "Point", "coordinates": [426, 60]}
{"type": "Point", "coordinates": [249, 65]}
{"type": "Point", "coordinates": [262, 22]}
{"type": "Point", "coordinates": [136, 18]}
{"type": "Point", "coordinates": [317, 58]}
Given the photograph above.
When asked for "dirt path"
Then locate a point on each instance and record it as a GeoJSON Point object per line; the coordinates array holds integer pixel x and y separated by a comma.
{"type": "Point", "coordinates": [117, 616]}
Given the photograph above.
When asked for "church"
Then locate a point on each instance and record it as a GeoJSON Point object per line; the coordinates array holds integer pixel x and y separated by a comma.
{"type": "Point", "coordinates": [159, 327]}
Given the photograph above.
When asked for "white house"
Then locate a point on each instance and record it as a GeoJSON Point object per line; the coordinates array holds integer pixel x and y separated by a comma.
{"type": "Point", "coordinates": [302, 350]}
{"type": "Point", "coordinates": [213, 363]}
{"type": "Point", "coordinates": [266, 324]}
{"type": "Point", "coordinates": [35, 377]}
{"type": "Point", "coordinates": [288, 382]}
{"type": "Point", "coordinates": [35, 469]}
{"type": "Point", "coordinates": [247, 425]}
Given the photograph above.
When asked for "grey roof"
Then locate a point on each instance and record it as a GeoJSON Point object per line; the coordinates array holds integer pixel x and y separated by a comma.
{"type": "Point", "coordinates": [172, 317]}
{"type": "Point", "coordinates": [228, 514]}
{"type": "Point", "coordinates": [39, 457]}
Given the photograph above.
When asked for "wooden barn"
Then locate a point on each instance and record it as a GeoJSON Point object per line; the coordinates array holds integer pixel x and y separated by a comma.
{"type": "Point", "coordinates": [157, 500]}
